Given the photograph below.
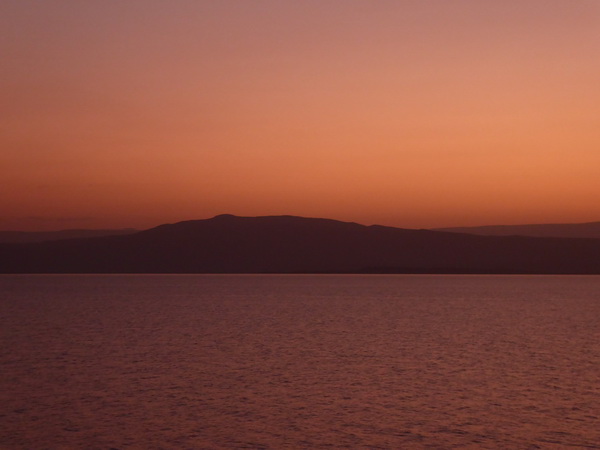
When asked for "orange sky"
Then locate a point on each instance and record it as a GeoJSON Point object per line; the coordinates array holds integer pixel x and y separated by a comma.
{"type": "Point", "coordinates": [418, 113]}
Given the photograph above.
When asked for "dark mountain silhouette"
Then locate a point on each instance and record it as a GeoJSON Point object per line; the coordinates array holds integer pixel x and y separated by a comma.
{"type": "Point", "coordinates": [41, 236]}
{"type": "Point", "coordinates": [285, 244]}
{"type": "Point", "coordinates": [566, 230]}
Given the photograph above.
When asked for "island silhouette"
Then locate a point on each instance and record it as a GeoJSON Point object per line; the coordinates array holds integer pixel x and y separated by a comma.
{"type": "Point", "coordinates": [570, 230]}
{"type": "Point", "coordinates": [41, 236]}
{"type": "Point", "coordinates": [289, 244]}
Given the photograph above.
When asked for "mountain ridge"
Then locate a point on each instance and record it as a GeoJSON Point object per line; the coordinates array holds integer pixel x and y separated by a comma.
{"type": "Point", "coordinates": [16, 237]}
{"type": "Point", "coordinates": [564, 230]}
{"type": "Point", "coordinates": [289, 244]}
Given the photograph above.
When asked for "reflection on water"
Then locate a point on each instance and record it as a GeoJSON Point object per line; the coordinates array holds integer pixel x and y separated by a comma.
{"type": "Point", "coordinates": [299, 361]}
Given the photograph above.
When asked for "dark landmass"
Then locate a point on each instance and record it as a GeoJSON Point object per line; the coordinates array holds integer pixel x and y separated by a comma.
{"type": "Point", "coordinates": [286, 244]}
{"type": "Point", "coordinates": [567, 230]}
{"type": "Point", "coordinates": [42, 236]}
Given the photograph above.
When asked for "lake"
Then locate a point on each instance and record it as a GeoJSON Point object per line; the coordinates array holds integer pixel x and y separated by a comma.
{"type": "Point", "coordinates": [299, 361]}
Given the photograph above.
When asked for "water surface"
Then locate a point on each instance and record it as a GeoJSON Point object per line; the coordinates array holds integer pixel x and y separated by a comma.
{"type": "Point", "coordinates": [197, 361]}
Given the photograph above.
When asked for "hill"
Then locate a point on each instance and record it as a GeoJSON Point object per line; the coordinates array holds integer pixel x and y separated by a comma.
{"type": "Point", "coordinates": [41, 236]}
{"type": "Point", "coordinates": [567, 230]}
{"type": "Point", "coordinates": [286, 244]}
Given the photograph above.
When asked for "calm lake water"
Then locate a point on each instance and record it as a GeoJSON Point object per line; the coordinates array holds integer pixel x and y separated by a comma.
{"type": "Point", "coordinates": [196, 361]}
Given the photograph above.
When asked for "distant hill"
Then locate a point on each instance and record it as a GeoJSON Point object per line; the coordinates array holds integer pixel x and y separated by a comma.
{"type": "Point", "coordinates": [41, 236]}
{"type": "Point", "coordinates": [286, 244]}
{"type": "Point", "coordinates": [566, 230]}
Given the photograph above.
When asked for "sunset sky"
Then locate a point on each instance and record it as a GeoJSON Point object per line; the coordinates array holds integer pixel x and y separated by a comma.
{"type": "Point", "coordinates": [420, 113]}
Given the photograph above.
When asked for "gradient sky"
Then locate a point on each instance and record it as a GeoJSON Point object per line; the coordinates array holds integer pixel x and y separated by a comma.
{"type": "Point", "coordinates": [418, 113]}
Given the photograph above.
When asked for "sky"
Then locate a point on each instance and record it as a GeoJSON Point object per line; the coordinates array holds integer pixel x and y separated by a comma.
{"type": "Point", "coordinates": [408, 113]}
